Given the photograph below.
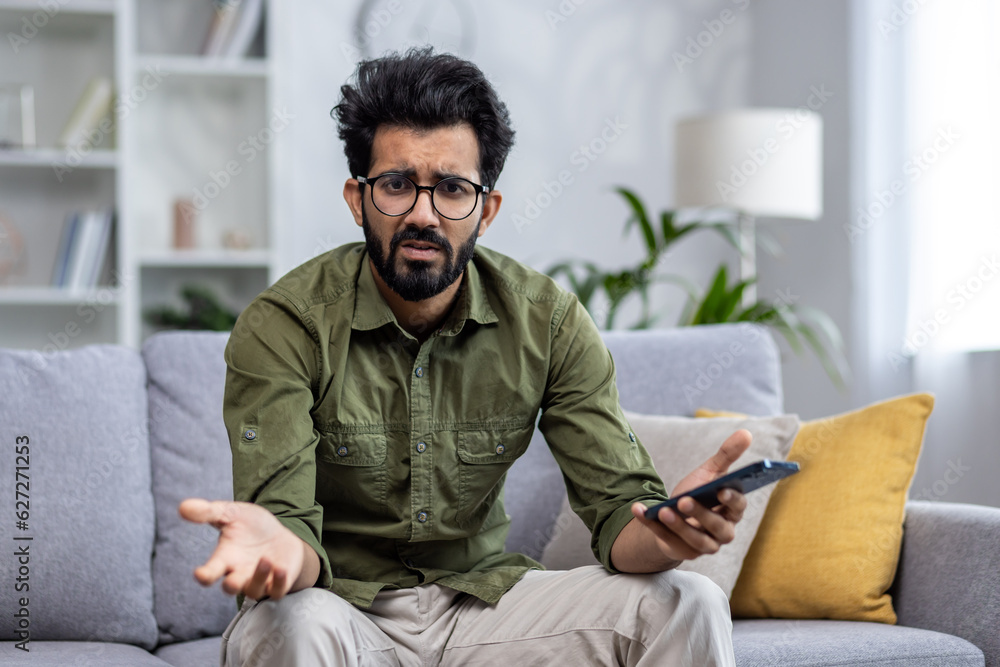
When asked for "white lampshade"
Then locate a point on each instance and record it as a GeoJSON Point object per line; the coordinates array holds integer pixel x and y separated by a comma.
{"type": "Point", "coordinates": [763, 162]}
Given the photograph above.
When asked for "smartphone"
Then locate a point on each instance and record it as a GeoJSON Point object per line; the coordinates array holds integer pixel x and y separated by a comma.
{"type": "Point", "coordinates": [744, 480]}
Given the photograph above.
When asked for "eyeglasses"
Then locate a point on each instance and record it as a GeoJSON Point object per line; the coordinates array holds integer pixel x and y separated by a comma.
{"type": "Point", "coordinates": [453, 198]}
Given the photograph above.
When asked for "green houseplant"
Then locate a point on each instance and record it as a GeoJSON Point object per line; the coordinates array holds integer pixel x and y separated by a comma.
{"type": "Point", "coordinates": [804, 328]}
{"type": "Point", "coordinates": [204, 312]}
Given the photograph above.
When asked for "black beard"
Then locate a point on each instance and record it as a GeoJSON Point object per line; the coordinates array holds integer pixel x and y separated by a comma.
{"type": "Point", "coordinates": [419, 282]}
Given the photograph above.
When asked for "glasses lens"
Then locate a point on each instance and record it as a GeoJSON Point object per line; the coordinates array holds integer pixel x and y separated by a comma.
{"type": "Point", "coordinates": [455, 198]}
{"type": "Point", "coordinates": [393, 194]}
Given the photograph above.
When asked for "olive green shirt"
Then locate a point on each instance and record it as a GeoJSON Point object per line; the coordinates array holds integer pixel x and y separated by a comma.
{"type": "Point", "coordinates": [388, 456]}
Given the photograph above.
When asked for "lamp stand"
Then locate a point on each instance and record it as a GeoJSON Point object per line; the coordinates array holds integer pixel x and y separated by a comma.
{"type": "Point", "coordinates": [748, 256]}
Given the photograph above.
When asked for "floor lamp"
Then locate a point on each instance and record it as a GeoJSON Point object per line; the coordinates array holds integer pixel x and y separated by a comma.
{"type": "Point", "coordinates": [754, 163]}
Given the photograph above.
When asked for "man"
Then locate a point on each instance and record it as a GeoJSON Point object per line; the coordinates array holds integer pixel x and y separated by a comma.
{"type": "Point", "coordinates": [382, 392]}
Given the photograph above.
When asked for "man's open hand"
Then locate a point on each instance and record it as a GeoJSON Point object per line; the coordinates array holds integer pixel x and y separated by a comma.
{"type": "Point", "coordinates": [647, 545]}
{"type": "Point", "coordinates": [256, 555]}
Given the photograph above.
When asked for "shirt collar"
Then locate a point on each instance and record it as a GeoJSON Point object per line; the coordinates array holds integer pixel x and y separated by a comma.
{"type": "Point", "coordinates": [371, 310]}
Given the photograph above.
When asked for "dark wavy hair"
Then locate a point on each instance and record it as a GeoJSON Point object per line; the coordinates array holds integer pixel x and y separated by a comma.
{"type": "Point", "coordinates": [422, 90]}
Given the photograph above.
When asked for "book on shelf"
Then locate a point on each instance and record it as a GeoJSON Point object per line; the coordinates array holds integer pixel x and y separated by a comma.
{"type": "Point", "coordinates": [90, 111]}
{"type": "Point", "coordinates": [233, 28]}
{"type": "Point", "coordinates": [83, 250]}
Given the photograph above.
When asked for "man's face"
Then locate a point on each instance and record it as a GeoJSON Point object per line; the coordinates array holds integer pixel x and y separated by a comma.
{"type": "Point", "coordinates": [421, 253]}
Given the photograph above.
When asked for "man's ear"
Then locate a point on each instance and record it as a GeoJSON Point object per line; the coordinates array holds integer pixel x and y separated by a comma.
{"type": "Point", "coordinates": [353, 197]}
{"type": "Point", "coordinates": [491, 206]}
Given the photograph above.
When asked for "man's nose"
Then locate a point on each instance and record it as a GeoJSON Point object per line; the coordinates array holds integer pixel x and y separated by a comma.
{"type": "Point", "coordinates": [423, 214]}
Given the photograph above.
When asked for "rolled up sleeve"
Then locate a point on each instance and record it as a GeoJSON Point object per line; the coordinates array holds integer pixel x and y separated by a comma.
{"type": "Point", "coordinates": [272, 367]}
{"type": "Point", "coordinates": [604, 465]}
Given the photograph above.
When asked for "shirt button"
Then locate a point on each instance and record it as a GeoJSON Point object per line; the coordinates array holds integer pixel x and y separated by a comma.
{"type": "Point", "coordinates": [419, 372]}
{"type": "Point", "coordinates": [342, 451]}
{"type": "Point", "coordinates": [421, 447]}
{"type": "Point", "coordinates": [631, 436]}
{"type": "Point", "coordinates": [250, 434]}
{"type": "Point", "coordinates": [500, 448]}
{"type": "Point", "coordinates": [422, 517]}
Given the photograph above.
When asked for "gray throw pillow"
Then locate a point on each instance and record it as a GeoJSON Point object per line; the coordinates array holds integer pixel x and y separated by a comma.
{"type": "Point", "coordinates": [79, 419]}
{"type": "Point", "coordinates": [677, 446]}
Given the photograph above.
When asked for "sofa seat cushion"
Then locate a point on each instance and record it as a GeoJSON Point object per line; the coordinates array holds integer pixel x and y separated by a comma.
{"type": "Point", "coordinates": [60, 654]}
{"type": "Point", "coordinates": [776, 642]}
{"type": "Point", "coordinates": [81, 419]}
{"type": "Point", "coordinates": [196, 653]}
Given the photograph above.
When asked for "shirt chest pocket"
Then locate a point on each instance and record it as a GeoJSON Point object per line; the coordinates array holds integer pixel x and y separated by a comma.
{"type": "Point", "coordinates": [352, 470]}
{"type": "Point", "coordinates": [484, 457]}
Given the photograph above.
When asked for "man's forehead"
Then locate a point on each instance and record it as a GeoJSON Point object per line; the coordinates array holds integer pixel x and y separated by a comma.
{"type": "Point", "coordinates": [447, 150]}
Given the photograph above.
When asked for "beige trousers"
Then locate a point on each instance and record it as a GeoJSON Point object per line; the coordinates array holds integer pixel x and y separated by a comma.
{"type": "Point", "coordinates": [585, 616]}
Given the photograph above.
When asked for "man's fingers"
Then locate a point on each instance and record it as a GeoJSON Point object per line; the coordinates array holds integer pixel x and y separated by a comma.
{"type": "Point", "coordinates": [735, 504]}
{"type": "Point", "coordinates": [279, 584]}
{"type": "Point", "coordinates": [700, 541]}
{"type": "Point", "coordinates": [215, 512]}
{"type": "Point", "coordinates": [210, 572]}
{"type": "Point", "coordinates": [256, 588]}
{"type": "Point", "coordinates": [680, 549]}
{"type": "Point", "coordinates": [712, 524]}
{"type": "Point", "coordinates": [731, 449]}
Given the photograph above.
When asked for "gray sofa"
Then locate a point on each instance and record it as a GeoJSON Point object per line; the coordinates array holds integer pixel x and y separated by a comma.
{"type": "Point", "coordinates": [112, 439]}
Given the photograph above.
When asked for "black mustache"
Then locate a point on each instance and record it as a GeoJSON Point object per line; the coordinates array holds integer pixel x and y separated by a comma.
{"type": "Point", "coordinates": [420, 235]}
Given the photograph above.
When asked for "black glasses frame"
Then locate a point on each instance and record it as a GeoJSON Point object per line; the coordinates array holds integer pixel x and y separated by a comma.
{"type": "Point", "coordinates": [365, 180]}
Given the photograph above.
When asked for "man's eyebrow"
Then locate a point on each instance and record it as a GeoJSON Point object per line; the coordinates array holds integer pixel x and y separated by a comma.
{"type": "Point", "coordinates": [410, 172]}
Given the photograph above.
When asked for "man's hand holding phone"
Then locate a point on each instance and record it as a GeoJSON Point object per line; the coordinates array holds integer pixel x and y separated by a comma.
{"type": "Point", "coordinates": [693, 530]}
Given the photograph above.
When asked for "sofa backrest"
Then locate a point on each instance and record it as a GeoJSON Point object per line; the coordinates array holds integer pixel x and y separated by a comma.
{"type": "Point", "coordinates": [190, 454]}
{"type": "Point", "coordinates": [76, 470]}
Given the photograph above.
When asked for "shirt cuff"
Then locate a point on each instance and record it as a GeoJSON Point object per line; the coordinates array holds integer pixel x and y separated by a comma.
{"type": "Point", "coordinates": [614, 526]}
{"type": "Point", "coordinates": [302, 531]}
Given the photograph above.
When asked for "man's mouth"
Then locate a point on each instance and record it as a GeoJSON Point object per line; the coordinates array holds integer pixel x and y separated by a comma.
{"type": "Point", "coordinates": [419, 250]}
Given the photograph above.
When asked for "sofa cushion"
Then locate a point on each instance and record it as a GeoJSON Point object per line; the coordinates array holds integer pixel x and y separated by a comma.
{"type": "Point", "coordinates": [773, 643]}
{"type": "Point", "coordinates": [677, 446]}
{"type": "Point", "coordinates": [659, 372]}
{"type": "Point", "coordinates": [60, 654]}
{"type": "Point", "coordinates": [191, 457]}
{"type": "Point", "coordinates": [86, 488]}
{"type": "Point", "coordinates": [196, 653]}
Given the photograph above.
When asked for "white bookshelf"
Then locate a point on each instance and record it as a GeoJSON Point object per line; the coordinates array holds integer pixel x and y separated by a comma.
{"type": "Point", "coordinates": [180, 118]}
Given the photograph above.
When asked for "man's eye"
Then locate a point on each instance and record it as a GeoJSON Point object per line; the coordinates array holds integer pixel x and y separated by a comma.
{"type": "Point", "coordinates": [395, 184]}
{"type": "Point", "coordinates": [454, 188]}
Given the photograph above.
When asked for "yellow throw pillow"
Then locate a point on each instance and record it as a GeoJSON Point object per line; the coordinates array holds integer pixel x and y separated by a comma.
{"type": "Point", "coordinates": [829, 543]}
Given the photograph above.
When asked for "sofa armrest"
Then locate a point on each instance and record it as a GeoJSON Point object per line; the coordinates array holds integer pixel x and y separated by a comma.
{"type": "Point", "coordinates": [949, 573]}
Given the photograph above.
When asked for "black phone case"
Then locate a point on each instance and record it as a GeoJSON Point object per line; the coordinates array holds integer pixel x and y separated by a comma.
{"type": "Point", "coordinates": [744, 480]}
